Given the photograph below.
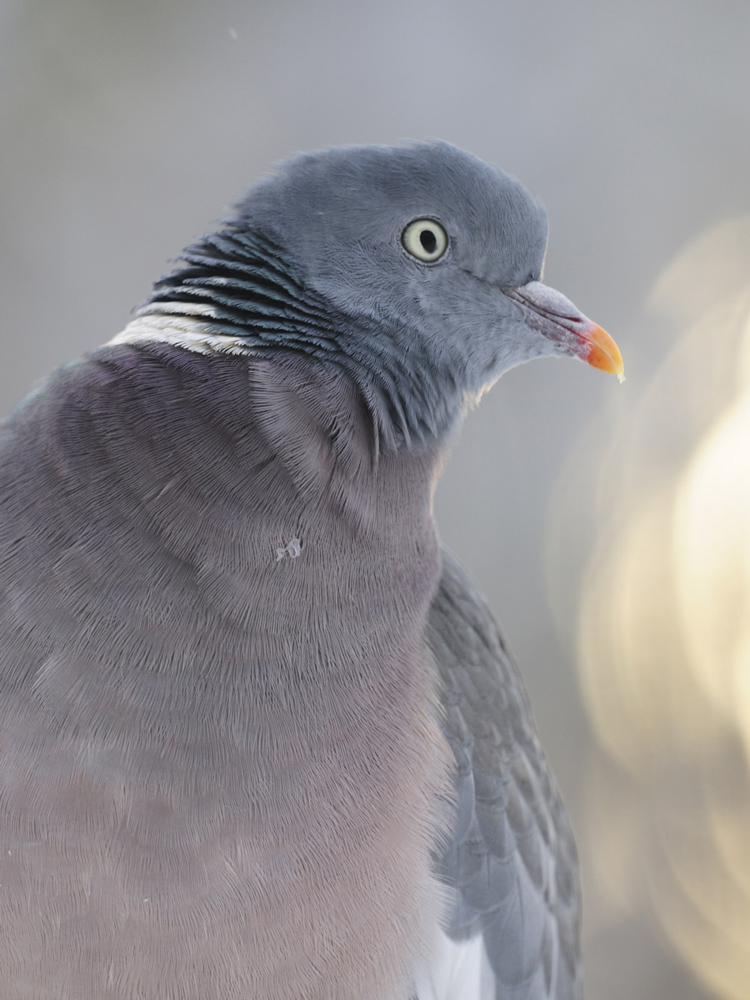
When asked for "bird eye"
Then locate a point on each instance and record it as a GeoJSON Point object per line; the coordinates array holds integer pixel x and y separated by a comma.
{"type": "Point", "coordinates": [425, 239]}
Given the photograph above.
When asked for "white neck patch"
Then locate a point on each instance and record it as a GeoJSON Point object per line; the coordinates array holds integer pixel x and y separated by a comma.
{"type": "Point", "coordinates": [193, 334]}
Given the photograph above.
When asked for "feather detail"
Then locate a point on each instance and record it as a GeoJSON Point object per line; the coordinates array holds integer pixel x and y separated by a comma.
{"type": "Point", "coordinates": [457, 970]}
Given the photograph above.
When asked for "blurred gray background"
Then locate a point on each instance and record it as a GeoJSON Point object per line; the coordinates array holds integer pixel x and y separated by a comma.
{"type": "Point", "coordinates": [127, 128]}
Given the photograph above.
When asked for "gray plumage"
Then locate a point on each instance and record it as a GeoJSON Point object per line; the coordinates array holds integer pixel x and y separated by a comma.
{"type": "Point", "coordinates": [511, 860]}
{"type": "Point", "coordinates": [260, 736]}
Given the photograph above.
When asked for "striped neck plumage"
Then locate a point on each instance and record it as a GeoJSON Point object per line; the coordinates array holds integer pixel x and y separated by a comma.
{"type": "Point", "coordinates": [234, 292]}
{"type": "Point", "coordinates": [237, 292]}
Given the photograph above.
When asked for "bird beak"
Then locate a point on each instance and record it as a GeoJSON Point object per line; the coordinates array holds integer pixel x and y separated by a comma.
{"type": "Point", "coordinates": [560, 321]}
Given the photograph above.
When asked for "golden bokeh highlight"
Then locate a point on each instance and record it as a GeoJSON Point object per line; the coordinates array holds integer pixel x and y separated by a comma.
{"type": "Point", "coordinates": [712, 561]}
{"type": "Point", "coordinates": [664, 624]}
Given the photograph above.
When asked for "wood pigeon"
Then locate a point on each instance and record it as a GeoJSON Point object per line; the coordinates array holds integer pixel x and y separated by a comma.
{"type": "Point", "coordinates": [261, 738]}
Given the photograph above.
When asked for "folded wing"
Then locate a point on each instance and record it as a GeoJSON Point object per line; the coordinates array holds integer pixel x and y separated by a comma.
{"type": "Point", "coordinates": [509, 869]}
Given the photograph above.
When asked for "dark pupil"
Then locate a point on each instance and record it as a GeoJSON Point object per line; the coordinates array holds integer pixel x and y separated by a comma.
{"type": "Point", "coordinates": [428, 240]}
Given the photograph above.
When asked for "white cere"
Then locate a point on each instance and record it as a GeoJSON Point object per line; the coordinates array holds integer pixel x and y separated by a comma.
{"type": "Point", "coordinates": [425, 239]}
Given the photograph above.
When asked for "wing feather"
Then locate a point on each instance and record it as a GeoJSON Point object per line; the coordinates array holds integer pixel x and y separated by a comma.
{"type": "Point", "coordinates": [510, 869]}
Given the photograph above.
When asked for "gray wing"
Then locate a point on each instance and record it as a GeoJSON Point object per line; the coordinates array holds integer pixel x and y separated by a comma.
{"type": "Point", "coordinates": [510, 868]}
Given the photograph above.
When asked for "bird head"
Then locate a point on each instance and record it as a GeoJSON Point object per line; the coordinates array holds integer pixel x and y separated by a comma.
{"type": "Point", "coordinates": [415, 269]}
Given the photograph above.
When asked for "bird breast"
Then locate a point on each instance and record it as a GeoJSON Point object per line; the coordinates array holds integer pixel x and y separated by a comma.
{"type": "Point", "coordinates": [222, 719]}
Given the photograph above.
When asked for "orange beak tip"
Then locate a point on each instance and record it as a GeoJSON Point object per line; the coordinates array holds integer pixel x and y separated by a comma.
{"type": "Point", "coordinates": [603, 352]}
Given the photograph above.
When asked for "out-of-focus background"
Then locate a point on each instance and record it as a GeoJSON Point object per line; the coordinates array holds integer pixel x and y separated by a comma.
{"type": "Point", "coordinates": [609, 525]}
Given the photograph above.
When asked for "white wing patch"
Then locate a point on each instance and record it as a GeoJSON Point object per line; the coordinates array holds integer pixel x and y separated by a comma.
{"type": "Point", "coordinates": [456, 970]}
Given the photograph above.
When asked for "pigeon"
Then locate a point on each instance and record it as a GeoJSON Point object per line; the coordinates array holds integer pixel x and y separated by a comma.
{"type": "Point", "coordinates": [261, 736]}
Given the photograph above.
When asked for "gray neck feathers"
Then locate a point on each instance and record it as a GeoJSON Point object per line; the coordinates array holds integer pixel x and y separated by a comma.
{"type": "Point", "coordinates": [237, 292]}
